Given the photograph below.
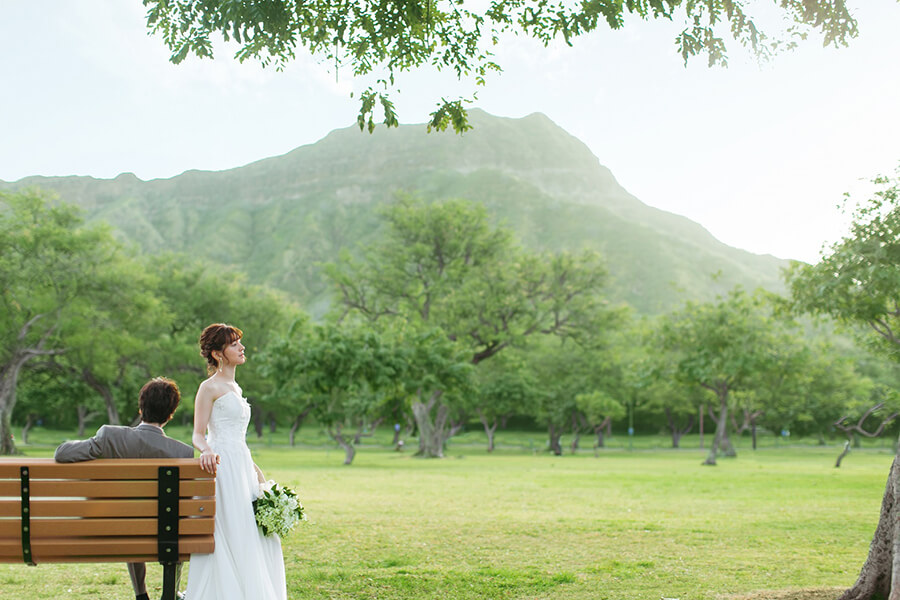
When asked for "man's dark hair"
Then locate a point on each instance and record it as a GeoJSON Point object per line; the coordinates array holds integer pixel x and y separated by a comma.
{"type": "Point", "coordinates": [158, 400]}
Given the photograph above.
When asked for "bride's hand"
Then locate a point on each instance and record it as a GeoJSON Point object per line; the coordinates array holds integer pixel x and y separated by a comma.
{"type": "Point", "coordinates": [259, 474]}
{"type": "Point", "coordinates": [209, 460]}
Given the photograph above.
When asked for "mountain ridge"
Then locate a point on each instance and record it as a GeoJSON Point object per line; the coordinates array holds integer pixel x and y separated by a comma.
{"type": "Point", "coordinates": [302, 207]}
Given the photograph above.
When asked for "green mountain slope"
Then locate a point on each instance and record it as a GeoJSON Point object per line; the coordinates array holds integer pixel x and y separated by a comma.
{"type": "Point", "coordinates": [280, 217]}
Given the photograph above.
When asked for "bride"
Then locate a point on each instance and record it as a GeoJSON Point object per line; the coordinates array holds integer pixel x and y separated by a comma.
{"type": "Point", "coordinates": [245, 564]}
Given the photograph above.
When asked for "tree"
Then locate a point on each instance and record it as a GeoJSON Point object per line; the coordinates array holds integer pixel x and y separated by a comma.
{"type": "Point", "coordinates": [437, 378]}
{"type": "Point", "coordinates": [441, 266]}
{"type": "Point", "coordinates": [506, 387]}
{"type": "Point", "coordinates": [114, 346]}
{"type": "Point", "coordinates": [858, 282]}
{"type": "Point", "coordinates": [851, 430]}
{"type": "Point", "coordinates": [577, 387]}
{"type": "Point", "coordinates": [384, 39]}
{"type": "Point", "coordinates": [665, 396]}
{"type": "Point", "coordinates": [196, 293]}
{"type": "Point", "coordinates": [49, 266]}
{"type": "Point", "coordinates": [345, 373]}
{"type": "Point", "coordinates": [338, 371]}
{"type": "Point", "coordinates": [599, 409]}
{"type": "Point", "coordinates": [721, 346]}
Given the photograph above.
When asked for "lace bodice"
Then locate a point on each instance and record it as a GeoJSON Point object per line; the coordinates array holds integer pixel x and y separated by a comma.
{"type": "Point", "coordinates": [229, 420]}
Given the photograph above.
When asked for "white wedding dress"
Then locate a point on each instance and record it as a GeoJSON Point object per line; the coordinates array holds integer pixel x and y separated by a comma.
{"type": "Point", "coordinates": [246, 565]}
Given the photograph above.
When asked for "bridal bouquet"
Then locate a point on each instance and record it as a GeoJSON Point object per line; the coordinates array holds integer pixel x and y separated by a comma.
{"type": "Point", "coordinates": [277, 509]}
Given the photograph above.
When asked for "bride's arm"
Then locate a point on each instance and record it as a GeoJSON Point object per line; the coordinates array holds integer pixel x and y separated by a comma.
{"type": "Point", "coordinates": [203, 404]}
{"type": "Point", "coordinates": [259, 473]}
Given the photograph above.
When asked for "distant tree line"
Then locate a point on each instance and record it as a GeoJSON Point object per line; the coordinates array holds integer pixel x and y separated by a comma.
{"type": "Point", "coordinates": [445, 322]}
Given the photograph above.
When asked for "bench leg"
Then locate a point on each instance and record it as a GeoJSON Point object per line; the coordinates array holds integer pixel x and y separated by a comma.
{"type": "Point", "coordinates": [169, 581]}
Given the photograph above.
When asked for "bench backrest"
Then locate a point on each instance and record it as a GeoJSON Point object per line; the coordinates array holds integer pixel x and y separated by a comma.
{"type": "Point", "coordinates": [110, 510]}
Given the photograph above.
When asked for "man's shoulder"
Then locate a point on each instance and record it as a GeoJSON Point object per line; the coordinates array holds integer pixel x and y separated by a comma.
{"type": "Point", "coordinates": [178, 448]}
{"type": "Point", "coordinates": [113, 430]}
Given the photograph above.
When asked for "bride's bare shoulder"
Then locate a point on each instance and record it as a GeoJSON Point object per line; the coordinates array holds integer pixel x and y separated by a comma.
{"type": "Point", "coordinates": [212, 389]}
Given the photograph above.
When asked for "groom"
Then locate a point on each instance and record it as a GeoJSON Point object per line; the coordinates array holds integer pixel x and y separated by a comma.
{"type": "Point", "coordinates": [157, 401]}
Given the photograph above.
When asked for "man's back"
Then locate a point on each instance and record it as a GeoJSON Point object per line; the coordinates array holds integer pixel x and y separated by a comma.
{"type": "Point", "coordinates": [113, 441]}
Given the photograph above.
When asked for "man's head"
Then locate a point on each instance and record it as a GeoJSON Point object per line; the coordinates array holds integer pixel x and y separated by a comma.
{"type": "Point", "coordinates": [158, 400]}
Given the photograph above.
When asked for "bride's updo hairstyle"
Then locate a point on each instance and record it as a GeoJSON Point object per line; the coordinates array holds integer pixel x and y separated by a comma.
{"type": "Point", "coordinates": [214, 339]}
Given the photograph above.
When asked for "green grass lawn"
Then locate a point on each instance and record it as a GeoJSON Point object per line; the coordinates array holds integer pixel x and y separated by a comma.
{"type": "Point", "coordinates": [523, 524]}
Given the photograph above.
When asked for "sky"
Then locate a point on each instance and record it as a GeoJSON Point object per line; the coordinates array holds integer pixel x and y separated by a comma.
{"type": "Point", "coordinates": [760, 155]}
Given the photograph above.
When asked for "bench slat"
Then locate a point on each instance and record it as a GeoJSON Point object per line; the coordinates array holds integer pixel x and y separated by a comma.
{"type": "Point", "coordinates": [11, 528]}
{"type": "Point", "coordinates": [104, 508]}
{"type": "Point", "coordinates": [145, 558]}
{"type": "Point", "coordinates": [105, 468]}
{"type": "Point", "coordinates": [121, 488]}
{"type": "Point", "coordinates": [47, 549]}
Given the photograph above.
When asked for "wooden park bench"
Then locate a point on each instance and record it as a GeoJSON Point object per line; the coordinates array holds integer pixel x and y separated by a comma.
{"type": "Point", "coordinates": [110, 510]}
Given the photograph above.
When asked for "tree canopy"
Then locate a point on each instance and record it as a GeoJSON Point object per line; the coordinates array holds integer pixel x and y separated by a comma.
{"type": "Point", "coordinates": [858, 279]}
{"type": "Point", "coordinates": [384, 38]}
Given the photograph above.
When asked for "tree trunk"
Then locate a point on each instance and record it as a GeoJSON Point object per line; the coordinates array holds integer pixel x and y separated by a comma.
{"type": "Point", "coordinates": [753, 433]}
{"type": "Point", "coordinates": [489, 429]}
{"type": "Point", "coordinates": [298, 421]}
{"type": "Point", "coordinates": [349, 450]}
{"type": "Point", "coordinates": [82, 418]}
{"type": "Point", "coordinates": [112, 412]}
{"type": "Point", "coordinates": [576, 432]}
{"type": "Point", "coordinates": [673, 428]}
{"type": "Point", "coordinates": [292, 433]}
{"type": "Point", "coordinates": [29, 422]}
{"type": "Point", "coordinates": [555, 434]}
{"type": "Point", "coordinates": [431, 436]}
{"type": "Point", "coordinates": [258, 424]}
{"type": "Point", "coordinates": [702, 410]}
{"type": "Point", "coordinates": [678, 432]}
{"type": "Point", "coordinates": [726, 446]}
{"type": "Point", "coordinates": [8, 378]}
{"type": "Point", "coordinates": [9, 375]}
{"type": "Point", "coordinates": [84, 415]}
{"type": "Point", "coordinates": [846, 451]}
{"type": "Point", "coordinates": [576, 437]}
{"type": "Point", "coordinates": [880, 574]}
{"type": "Point", "coordinates": [721, 428]}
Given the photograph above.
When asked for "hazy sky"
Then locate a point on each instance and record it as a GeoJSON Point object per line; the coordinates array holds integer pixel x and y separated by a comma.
{"type": "Point", "coordinates": [760, 156]}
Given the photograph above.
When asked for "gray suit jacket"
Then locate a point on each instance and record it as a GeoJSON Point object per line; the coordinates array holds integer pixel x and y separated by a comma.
{"type": "Point", "coordinates": [116, 441]}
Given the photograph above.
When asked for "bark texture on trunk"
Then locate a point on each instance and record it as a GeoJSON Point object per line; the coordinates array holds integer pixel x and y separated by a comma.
{"type": "Point", "coordinates": [721, 431]}
{"type": "Point", "coordinates": [489, 428]}
{"type": "Point", "coordinates": [601, 440]}
{"type": "Point", "coordinates": [84, 415]}
{"type": "Point", "coordinates": [338, 436]}
{"type": "Point", "coordinates": [555, 435]}
{"type": "Point", "coordinates": [298, 422]}
{"type": "Point", "coordinates": [8, 377]}
{"type": "Point", "coordinates": [258, 424]}
{"type": "Point", "coordinates": [880, 574]}
{"type": "Point", "coordinates": [431, 433]}
{"type": "Point", "coordinates": [29, 423]}
{"type": "Point", "coordinates": [846, 451]}
{"type": "Point", "coordinates": [112, 412]}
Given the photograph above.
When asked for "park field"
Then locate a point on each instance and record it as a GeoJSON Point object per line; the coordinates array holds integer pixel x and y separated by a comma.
{"type": "Point", "coordinates": [779, 522]}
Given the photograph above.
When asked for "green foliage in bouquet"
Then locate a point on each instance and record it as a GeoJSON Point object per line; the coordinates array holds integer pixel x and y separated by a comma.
{"type": "Point", "coordinates": [277, 509]}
